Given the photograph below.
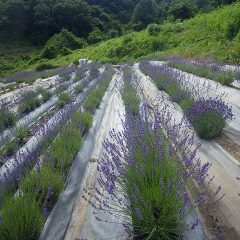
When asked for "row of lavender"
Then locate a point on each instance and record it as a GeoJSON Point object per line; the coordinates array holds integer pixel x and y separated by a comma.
{"type": "Point", "coordinates": [147, 171]}
{"type": "Point", "coordinates": [23, 214]}
{"type": "Point", "coordinates": [15, 137]}
{"type": "Point", "coordinates": [24, 101]}
{"type": "Point", "coordinates": [223, 74]}
{"type": "Point", "coordinates": [207, 115]}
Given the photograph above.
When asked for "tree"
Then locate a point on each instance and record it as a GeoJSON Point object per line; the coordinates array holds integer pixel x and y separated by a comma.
{"type": "Point", "coordinates": [146, 12]}
{"type": "Point", "coordinates": [182, 10]}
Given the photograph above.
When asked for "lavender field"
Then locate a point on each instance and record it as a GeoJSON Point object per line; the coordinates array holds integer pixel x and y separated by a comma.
{"type": "Point", "coordinates": [147, 150]}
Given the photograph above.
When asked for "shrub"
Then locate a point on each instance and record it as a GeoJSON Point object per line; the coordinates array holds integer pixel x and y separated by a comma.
{"type": "Point", "coordinates": [63, 99]}
{"type": "Point", "coordinates": [208, 117]}
{"type": "Point", "coordinates": [209, 125]}
{"type": "Point", "coordinates": [129, 96]}
{"type": "Point", "coordinates": [127, 39]}
{"type": "Point", "coordinates": [186, 103]}
{"type": "Point", "coordinates": [78, 88]}
{"type": "Point", "coordinates": [46, 95]}
{"type": "Point", "coordinates": [84, 119]}
{"type": "Point", "coordinates": [11, 147]}
{"type": "Point", "coordinates": [29, 104]}
{"type": "Point", "coordinates": [65, 147]}
{"type": "Point", "coordinates": [76, 62]}
{"type": "Point", "coordinates": [96, 36]}
{"type": "Point", "coordinates": [157, 45]}
{"type": "Point", "coordinates": [153, 29]}
{"type": "Point", "coordinates": [21, 133]}
{"type": "Point", "coordinates": [21, 218]}
{"type": "Point", "coordinates": [7, 118]}
{"type": "Point", "coordinates": [233, 27]}
{"type": "Point", "coordinates": [39, 182]}
{"type": "Point", "coordinates": [65, 51]}
{"type": "Point", "coordinates": [225, 78]}
{"type": "Point", "coordinates": [61, 43]}
{"type": "Point", "coordinates": [151, 180]}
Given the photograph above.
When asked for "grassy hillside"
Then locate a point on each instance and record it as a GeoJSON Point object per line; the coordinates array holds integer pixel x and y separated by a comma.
{"type": "Point", "coordinates": [214, 35]}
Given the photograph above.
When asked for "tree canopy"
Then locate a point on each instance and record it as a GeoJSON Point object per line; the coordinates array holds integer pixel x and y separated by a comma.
{"type": "Point", "coordinates": [39, 20]}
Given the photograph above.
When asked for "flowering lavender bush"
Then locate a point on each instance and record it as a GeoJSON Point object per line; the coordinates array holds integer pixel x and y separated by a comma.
{"type": "Point", "coordinates": [204, 69]}
{"type": "Point", "coordinates": [129, 94]}
{"type": "Point", "coordinates": [144, 176]}
{"type": "Point", "coordinates": [209, 117]}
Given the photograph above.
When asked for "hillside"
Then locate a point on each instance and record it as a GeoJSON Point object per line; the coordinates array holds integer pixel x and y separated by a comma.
{"type": "Point", "coordinates": [213, 35]}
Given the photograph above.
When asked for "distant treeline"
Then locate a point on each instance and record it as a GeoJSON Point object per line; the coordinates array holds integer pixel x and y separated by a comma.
{"type": "Point", "coordinates": [94, 20]}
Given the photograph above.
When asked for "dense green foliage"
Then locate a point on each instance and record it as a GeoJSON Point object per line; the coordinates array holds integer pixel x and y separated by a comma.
{"type": "Point", "coordinates": [61, 43]}
{"type": "Point", "coordinates": [209, 125]}
{"type": "Point", "coordinates": [214, 35]}
{"type": "Point", "coordinates": [38, 20]}
{"type": "Point", "coordinates": [21, 218]}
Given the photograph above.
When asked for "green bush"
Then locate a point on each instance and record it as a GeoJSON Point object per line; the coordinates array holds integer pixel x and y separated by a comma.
{"type": "Point", "coordinates": [21, 218]}
{"type": "Point", "coordinates": [37, 184]}
{"type": "Point", "coordinates": [76, 62]}
{"type": "Point", "coordinates": [79, 88]}
{"type": "Point", "coordinates": [157, 45]}
{"type": "Point", "coordinates": [11, 147]}
{"type": "Point", "coordinates": [233, 27]}
{"type": "Point", "coordinates": [96, 36]}
{"type": "Point", "coordinates": [127, 39]}
{"type": "Point", "coordinates": [30, 104]}
{"type": "Point", "coordinates": [65, 147]}
{"type": "Point", "coordinates": [85, 119]}
{"type": "Point", "coordinates": [21, 133]}
{"type": "Point", "coordinates": [225, 78]}
{"type": "Point", "coordinates": [46, 95]}
{"type": "Point", "coordinates": [185, 103]}
{"type": "Point", "coordinates": [7, 119]}
{"type": "Point", "coordinates": [61, 43]}
{"type": "Point", "coordinates": [63, 99]}
{"type": "Point", "coordinates": [153, 29]}
{"type": "Point", "coordinates": [209, 125]}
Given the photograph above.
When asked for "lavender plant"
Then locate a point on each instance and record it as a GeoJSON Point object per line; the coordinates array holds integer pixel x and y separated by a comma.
{"type": "Point", "coordinates": [145, 175]}
{"type": "Point", "coordinates": [208, 117]}
{"type": "Point", "coordinates": [129, 94]}
{"type": "Point", "coordinates": [204, 69]}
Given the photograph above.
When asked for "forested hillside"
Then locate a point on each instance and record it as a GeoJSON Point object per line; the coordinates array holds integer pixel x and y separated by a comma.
{"type": "Point", "coordinates": [95, 20]}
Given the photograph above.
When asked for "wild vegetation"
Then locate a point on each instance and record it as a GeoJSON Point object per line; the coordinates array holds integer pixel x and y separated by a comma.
{"type": "Point", "coordinates": [180, 37]}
